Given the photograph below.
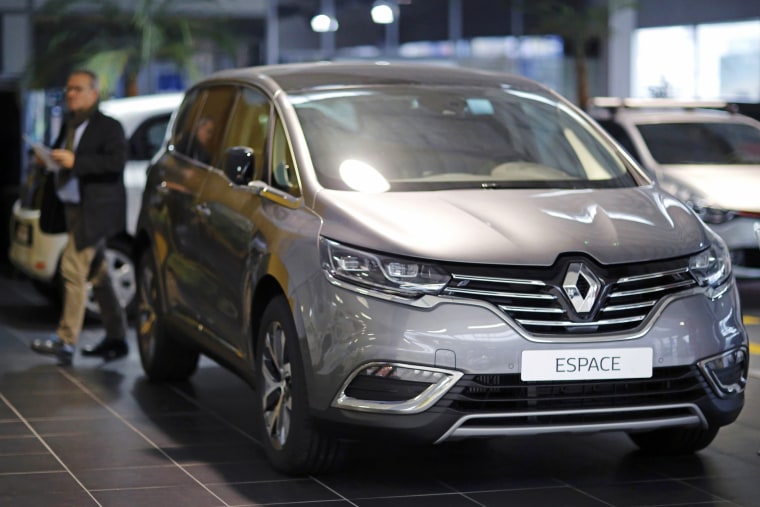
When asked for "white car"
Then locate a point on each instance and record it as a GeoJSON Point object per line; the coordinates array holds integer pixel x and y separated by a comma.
{"type": "Point", "coordinates": [37, 254]}
{"type": "Point", "coordinates": [709, 158]}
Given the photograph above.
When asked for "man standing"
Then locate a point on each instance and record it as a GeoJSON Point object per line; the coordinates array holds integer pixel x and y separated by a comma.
{"type": "Point", "coordinates": [91, 151]}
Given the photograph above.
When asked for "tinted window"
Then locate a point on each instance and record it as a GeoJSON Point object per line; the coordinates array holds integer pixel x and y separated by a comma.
{"type": "Point", "coordinates": [284, 174]}
{"type": "Point", "coordinates": [702, 143]}
{"type": "Point", "coordinates": [183, 124]}
{"type": "Point", "coordinates": [148, 137]}
{"type": "Point", "coordinates": [200, 133]}
{"type": "Point", "coordinates": [248, 126]}
{"type": "Point", "coordinates": [621, 136]}
{"type": "Point", "coordinates": [426, 138]}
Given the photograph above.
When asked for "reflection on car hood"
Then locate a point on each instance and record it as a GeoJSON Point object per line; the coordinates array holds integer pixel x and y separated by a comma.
{"type": "Point", "coordinates": [732, 187]}
{"type": "Point", "coordinates": [529, 227]}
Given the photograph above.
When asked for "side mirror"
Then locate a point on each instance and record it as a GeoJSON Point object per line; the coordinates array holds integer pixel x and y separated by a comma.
{"type": "Point", "coordinates": [239, 164]}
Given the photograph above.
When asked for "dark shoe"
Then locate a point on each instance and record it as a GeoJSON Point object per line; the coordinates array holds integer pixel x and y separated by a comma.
{"type": "Point", "coordinates": [108, 348]}
{"type": "Point", "coordinates": [54, 346]}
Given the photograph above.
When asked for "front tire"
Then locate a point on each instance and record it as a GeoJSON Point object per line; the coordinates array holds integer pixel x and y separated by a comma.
{"type": "Point", "coordinates": [674, 441]}
{"type": "Point", "coordinates": [162, 357]}
{"type": "Point", "coordinates": [290, 439]}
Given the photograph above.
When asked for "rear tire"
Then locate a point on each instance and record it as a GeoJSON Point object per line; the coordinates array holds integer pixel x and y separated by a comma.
{"type": "Point", "coordinates": [162, 357]}
{"type": "Point", "coordinates": [674, 441]}
{"type": "Point", "coordinates": [290, 439]}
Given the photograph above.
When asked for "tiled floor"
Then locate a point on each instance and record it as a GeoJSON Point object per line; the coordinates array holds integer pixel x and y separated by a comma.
{"type": "Point", "coordinates": [102, 435]}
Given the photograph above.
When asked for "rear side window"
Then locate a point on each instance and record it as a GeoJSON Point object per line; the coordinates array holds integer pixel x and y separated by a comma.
{"type": "Point", "coordinates": [200, 127]}
{"type": "Point", "coordinates": [148, 137]}
{"type": "Point", "coordinates": [184, 122]}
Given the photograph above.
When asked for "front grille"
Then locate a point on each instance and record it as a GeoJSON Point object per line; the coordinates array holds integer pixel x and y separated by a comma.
{"type": "Point", "coordinates": [534, 298]}
{"type": "Point", "coordinates": [483, 394]}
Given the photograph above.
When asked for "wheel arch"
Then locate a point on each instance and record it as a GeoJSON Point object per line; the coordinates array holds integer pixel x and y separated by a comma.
{"type": "Point", "coordinates": [267, 289]}
{"type": "Point", "coordinates": [140, 244]}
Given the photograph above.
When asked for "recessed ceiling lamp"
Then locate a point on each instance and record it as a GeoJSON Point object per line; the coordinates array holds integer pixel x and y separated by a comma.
{"type": "Point", "coordinates": [324, 23]}
{"type": "Point", "coordinates": [384, 12]}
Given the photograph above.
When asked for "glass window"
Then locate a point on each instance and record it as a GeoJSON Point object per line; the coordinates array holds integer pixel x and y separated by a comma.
{"type": "Point", "coordinates": [427, 138]}
{"type": "Point", "coordinates": [201, 133]}
{"type": "Point", "coordinates": [284, 174]}
{"type": "Point", "coordinates": [248, 126]}
{"type": "Point", "coordinates": [148, 137]}
{"type": "Point", "coordinates": [183, 124]}
{"type": "Point", "coordinates": [708, 61]}
{"type": "Point", "coordinates": [702, 143]}
{"type": "Point", "coordinates": [621, 136]}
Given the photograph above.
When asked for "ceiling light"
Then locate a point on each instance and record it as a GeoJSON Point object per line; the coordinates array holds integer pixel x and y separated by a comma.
{"type": "Point", "coordinates": [384, 12]}
{"type": "Point", "coordinates": [324, 23]}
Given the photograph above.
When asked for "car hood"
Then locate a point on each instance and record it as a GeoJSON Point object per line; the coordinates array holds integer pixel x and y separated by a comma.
{"type": "Point", "coordinates": [523, 227]}
{"type": "Point", "coordinates": [731, 187]}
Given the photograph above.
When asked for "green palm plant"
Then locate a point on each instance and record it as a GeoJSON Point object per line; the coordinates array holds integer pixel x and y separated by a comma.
{"type": "Point", "coordinates": [580, 24]}
{"type": "Point", "coordinates": [118, 43]}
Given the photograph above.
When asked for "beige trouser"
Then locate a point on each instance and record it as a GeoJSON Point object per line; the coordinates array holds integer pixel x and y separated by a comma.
{"type": "Point", "coordinates": [76, 265]}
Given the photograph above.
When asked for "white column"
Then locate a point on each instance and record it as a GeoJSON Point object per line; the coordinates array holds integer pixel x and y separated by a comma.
{"type": "Point", "coordinates": [622, 25]}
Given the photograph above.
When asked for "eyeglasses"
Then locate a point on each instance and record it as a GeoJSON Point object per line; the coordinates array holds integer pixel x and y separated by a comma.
{"type": "Point", "coordinates": [77, 89]}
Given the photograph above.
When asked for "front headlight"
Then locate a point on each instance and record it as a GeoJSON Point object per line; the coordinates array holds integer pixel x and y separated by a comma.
{"type": "Point", "coordinates": [711, 267]}
{"type": "Point", "coordinates": [711, 215]}
{"type": "Point", "coordinates": [392, 275]}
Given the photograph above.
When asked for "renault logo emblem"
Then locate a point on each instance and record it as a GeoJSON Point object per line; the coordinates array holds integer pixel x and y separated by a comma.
{"type": "Point", "coordinates": [581, 286]}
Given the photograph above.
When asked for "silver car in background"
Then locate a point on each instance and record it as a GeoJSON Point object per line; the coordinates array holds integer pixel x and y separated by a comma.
{"type": "Point", "coordinates": [429, 254]}
{"type": "Point", "coordinates": [708, 158]}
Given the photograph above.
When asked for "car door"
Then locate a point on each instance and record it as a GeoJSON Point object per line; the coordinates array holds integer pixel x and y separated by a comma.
{"type": "Point", "coordinates": [143, 145]}
{"type": "Point", "coordinates": [183, 175]}
{"type": "Point", "coordinates": [227, 225]}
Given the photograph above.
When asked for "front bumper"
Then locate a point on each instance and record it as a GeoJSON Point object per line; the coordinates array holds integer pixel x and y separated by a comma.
{"type": "Point", "coordinates": [481, 351]}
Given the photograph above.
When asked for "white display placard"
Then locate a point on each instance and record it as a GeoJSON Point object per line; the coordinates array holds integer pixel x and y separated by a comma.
{"type": "Point", "coordinates": [586, 364]}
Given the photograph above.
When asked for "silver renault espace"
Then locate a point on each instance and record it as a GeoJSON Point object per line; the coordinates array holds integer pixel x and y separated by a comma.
{"type": "Point", "coordinates": [434, 254]}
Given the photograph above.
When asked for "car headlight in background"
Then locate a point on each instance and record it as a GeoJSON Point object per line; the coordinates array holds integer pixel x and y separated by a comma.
{"type": "Point", "coordinates": [711, 267]}
{"type": "Point", "coordinates": [710, 214]}
{"type": "Point", "coordinates": [384, 273]}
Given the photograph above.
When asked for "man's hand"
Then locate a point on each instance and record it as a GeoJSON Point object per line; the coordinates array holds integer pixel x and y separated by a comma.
{"type": "Point", "coordinates": [64, 157]}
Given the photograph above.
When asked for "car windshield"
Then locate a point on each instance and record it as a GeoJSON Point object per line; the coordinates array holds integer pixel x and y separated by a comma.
{"type": "Point", "coordinates": [702, 143]}
{"type": "Point", "coordinates": [407, 138]}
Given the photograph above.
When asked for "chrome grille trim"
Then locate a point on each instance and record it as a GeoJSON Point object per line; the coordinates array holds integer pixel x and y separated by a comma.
{"type": "Point", "coordinates": [530, 310]}
{"type": "Point", "coordinates": [540, 308]}
{"type": "Point", "coordinates": [499, 294]}
{"type": "Point", "coordinates": [651, 290]}
{"type": "Point", "coordinates": [497, 280]}
{"type": "Point", "coordinates": [569, 324]}
{"type": "Point", "coordinates": [618, 308]}
{"type": "Point", "coordinates": [649, 276]}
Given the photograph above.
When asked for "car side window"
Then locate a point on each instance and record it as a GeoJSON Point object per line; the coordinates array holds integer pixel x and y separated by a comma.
{"type": "Point", "coordinates": [200, 128]}
{"type": "Point", "coordinates": [183, 124]}
{"type": "Point", "coordinates": [148, 137]}
{"type": "Point", "coordinates": [284, 175]}
{"type": "Point", "coordinates": [248, 126]}
{"type": "Point", "coordinates": [621, 136]}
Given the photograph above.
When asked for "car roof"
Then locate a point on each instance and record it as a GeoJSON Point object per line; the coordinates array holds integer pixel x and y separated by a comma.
{"type": "Point", "coordinates": [646, 111]}
{"type": "Point", "coordinates": [307, 76]}
{"type": "Point", "coordinates": [132, 111]}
